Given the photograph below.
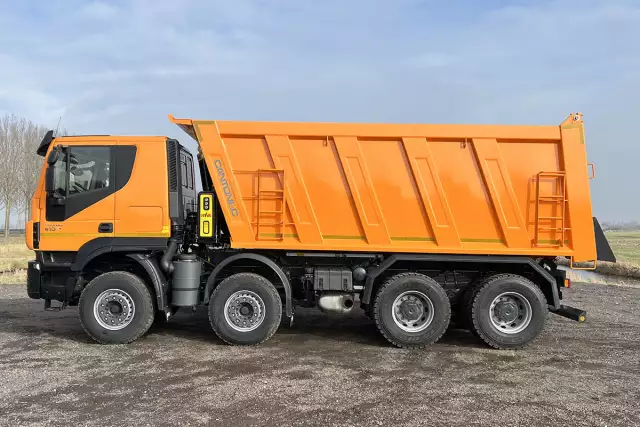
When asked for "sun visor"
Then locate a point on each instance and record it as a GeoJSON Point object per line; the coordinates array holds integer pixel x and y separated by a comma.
{"type": "Point", "coordinates": [186, 125]}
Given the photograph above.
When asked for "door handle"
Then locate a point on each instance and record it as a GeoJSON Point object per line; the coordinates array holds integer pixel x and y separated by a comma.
{"type": "Point", "coordinates": [105, 227]}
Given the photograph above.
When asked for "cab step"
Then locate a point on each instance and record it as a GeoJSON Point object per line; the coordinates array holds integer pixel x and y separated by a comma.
{"type": "Point", "coordinates": [48, 307]}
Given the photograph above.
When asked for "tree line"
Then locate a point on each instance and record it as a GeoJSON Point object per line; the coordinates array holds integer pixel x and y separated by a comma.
{"type": "Point", "coordinates": [621, 225]}
{"type": "Point", "coordinates": [19, 166]}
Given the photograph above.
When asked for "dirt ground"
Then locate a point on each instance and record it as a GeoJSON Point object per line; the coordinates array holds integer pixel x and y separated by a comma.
{"type": "Point", "coordinates": [324, 371]}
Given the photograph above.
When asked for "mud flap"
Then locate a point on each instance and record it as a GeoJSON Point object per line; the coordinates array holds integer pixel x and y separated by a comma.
{"type": "Point", "coordinates": [603, 250]}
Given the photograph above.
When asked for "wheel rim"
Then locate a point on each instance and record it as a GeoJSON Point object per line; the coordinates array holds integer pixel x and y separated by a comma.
{"type": "Point", "coordinates": [510, 313]}
{"type": "Point", "coordinates": [412, 311]}
{"type": "Point", "coordinates": [114, 309]}
{"type": "Point", "coordinates": [244, 311]}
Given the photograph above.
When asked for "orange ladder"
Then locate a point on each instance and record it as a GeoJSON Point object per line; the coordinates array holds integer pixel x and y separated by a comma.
{"type": "Point", "coordinates": [558, 198]}
{"type": "Point", "coordinates": [278, 196]}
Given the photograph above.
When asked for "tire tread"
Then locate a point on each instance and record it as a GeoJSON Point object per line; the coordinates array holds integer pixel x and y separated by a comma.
{"type": "Point", "coordinates": [269, 287]}
{"type": "Point", "coordinates": [378, 320]}
{"type": "Point", "coordinates": [488, 281]}
{"type": "Point", "coordinates": [146, 295]}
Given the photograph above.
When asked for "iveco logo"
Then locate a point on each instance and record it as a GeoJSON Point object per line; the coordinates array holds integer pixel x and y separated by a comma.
{"type": "Point", "coordinates": [225, 188]}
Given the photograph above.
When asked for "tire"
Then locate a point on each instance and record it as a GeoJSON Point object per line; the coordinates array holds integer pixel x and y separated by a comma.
{"type": "Point", "coordinates": [461, 315]}
{"type": "Point", "coordinates": [394, 317]}
{"type": "Point", "coordinates": [122, 291]}
{"type": "Point", "coordinates": [465, 305]}
{"type": "Point", "coordinates": [245, 297]}
{"type": "Point", "coordinates": [508, 329]}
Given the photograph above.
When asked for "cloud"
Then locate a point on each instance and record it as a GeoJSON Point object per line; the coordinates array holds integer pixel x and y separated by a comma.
{"type": "Point", "coordinates": [98, 11]}
{"type": "Point", "coordinates": [122, 66]}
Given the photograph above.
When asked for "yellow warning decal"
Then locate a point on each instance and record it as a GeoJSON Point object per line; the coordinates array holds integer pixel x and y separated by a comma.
{"type": "Point", "coordinates": [206, 215]}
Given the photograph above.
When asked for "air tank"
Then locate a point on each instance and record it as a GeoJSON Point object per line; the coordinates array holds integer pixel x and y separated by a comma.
{"type": "Point", "coordinates": [185, 288]}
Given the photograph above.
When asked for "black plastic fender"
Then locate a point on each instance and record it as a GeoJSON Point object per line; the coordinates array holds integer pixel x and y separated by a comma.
{"type": "Point", "coordinates": [256, 257]}
{"type": "Point", "coordinates": [158, 278]}
{"type": "Point", "coordinates": [103, 245]}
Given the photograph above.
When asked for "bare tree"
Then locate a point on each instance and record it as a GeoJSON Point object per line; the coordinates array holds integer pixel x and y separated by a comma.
{"type": "Point", "coordinates": [30, 167]}
{"type": "Point", "coordinates": [20, 166]}
{"type": "Point", "coordinates": [12, 130]}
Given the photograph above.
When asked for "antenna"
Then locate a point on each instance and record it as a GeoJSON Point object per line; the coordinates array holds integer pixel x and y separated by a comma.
{"type": "Point", "coordinates": [58, 127]}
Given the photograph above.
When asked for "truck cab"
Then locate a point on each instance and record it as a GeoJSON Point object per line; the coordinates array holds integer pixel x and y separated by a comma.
{"type": "Point", "coordinates": [99, 196]}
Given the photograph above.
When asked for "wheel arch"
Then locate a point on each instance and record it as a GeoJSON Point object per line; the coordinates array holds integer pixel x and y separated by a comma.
{"type": "Point", "coordinates": [143, 265]}
{"type": "Point", "coordinates": [104, 245]}
{"type": "Point", "coordinates": [261, 260]}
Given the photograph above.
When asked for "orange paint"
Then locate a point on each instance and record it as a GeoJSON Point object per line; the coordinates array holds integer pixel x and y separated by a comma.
{"type": "Point", "coordinates": [401, 188]}
{"type": "Point", "coordinates": [139, 209]}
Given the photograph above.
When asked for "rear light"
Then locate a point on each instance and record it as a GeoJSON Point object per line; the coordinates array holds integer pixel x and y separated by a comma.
{"type": "Point", "coordinates": [567, 283]}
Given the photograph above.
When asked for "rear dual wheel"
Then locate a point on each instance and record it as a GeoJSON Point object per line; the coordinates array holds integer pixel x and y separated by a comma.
{"type": "Point", "coordinates": [507, 311]}
{"type": "Point", "coordinates": [411, 310]}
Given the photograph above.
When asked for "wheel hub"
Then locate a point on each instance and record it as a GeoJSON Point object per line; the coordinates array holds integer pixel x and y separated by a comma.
{"type": "Point", "coordinates": [507, 311]}
{"type": "Point", "coordinates": [412, 311]}
{"type": "Point", "coordinates": [244, 311]}
{"type": "Point", "coordinates": [114, 309]}
{"type": "Point", "coordinates": [510, 313]}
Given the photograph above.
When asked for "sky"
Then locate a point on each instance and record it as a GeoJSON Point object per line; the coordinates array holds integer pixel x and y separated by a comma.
{"type": "Point", "coordinates": [119, 67]}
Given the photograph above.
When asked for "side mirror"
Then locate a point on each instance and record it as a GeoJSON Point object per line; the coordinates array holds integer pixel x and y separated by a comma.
{"type": "Point", "coordinates": [54, 156]}
{"type": "Point", "coordinates": [49, 179]}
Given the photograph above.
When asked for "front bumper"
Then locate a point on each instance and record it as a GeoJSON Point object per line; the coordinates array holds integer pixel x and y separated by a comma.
{"type": "Point", "coordinates": [50, 285]}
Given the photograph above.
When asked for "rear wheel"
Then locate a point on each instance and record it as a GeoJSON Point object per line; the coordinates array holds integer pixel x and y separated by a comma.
{"type": "Point", "coordinates": [116, 308]}
{"type": "Point", "coordinates": [245, 309]}
{"type": "Point", "coordinates": [411, 310]}
{"type": "Point", "coordinates": [508, 311]}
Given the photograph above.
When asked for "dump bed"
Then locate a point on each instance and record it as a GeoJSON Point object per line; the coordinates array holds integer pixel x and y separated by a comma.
{"type": "Point", "coordinates": [474, 189]}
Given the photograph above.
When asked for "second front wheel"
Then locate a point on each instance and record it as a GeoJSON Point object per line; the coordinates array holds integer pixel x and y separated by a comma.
{"type": "Point", "coordinates": [411, 310]}
{"type": "Point", "coordinates": [245, 309]}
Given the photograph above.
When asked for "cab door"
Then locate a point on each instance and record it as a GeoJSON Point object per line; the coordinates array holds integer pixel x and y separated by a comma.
{"type": "Point", "coordinates": [79, 202]}
{"type": "Point", "coordinates": [141, 210]}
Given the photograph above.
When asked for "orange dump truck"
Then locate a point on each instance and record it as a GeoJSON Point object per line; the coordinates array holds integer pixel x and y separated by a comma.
{"type": "Point", "coordinates": [414, 224]}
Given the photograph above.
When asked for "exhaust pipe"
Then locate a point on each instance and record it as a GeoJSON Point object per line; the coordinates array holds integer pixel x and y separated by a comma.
{"type": "Point", "coordinates": [336, 302]}
{"type": "Point", "coordinates": [166, 261]}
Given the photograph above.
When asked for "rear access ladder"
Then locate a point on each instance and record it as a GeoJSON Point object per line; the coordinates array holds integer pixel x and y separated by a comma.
{"type": "Point", "coordinates": [557, 197]}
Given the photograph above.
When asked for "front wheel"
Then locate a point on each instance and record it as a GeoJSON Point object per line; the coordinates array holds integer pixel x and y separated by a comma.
{"type": "Point", "coordinates": [411, 310]}
{"type": "Point", "coordinates": [116, 308]}
{"type": "Point", "coordinates": [245, 309]}
{"type": "Point", "coordinates": [508, 311]}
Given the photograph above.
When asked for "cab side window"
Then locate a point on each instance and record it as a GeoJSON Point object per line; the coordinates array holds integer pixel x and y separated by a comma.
{"type": "Point", "coordinates": [82, 176]}
{"type": "Point", "coordinates": [88, 169]}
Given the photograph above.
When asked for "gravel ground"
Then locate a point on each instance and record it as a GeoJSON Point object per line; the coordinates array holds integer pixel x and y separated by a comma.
{"type": "Point", "coordinates": [324, 371]}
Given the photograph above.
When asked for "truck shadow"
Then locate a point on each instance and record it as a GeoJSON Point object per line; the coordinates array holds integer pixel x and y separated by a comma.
{"type": "Point", "coordinates": [26, 317]}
